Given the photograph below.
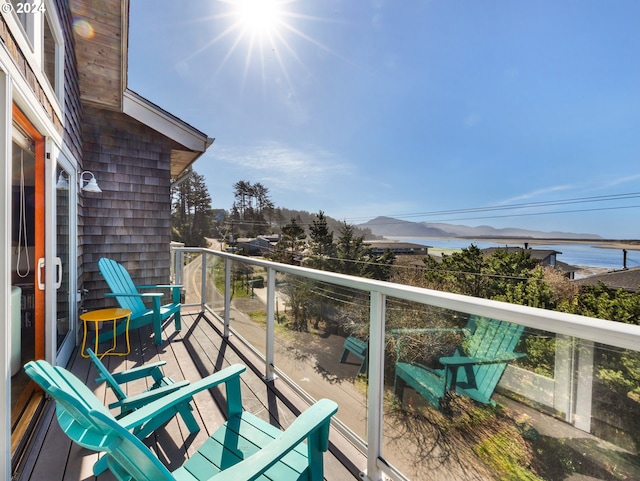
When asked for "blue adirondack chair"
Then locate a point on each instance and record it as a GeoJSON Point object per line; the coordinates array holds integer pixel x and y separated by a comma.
{"type": "Point", "coordinates": [358, 348]}
{"type": "Point", "coordinates": [161, 385]}
{"type": "Point", "coordinates": [75, 402]}
{"type": "Point", "coordinates": [474, 370]}
{"type": "Point", "coordinates": [128, 297]}
{"type": "Point", "coordinates": [243, 448]}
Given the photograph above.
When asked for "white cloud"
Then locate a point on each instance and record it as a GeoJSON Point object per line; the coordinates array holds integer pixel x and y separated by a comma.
{"type": "Point", "coordinates": [284, 167]}
{"type": "Point", "coordinates": [613, 182]}
{"type": "Point", "coordinates": [535, 194]}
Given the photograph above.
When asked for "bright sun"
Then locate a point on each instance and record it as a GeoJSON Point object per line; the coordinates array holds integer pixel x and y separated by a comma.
{"type": "Point", "coordinates": [259, 16]}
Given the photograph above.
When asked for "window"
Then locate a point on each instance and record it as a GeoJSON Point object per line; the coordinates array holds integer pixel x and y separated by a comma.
{"type": "Point", "coordinates": [26, 19]}
{"type": "Point", "coordinates": [49, 53]}
{"type": "Point", "coordinates": [52, 55]}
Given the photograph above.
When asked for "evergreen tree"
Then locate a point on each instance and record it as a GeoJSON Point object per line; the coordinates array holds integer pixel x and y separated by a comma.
{"type": "Point", "coordinates": [191, 217]}
{"type": "Point", "coordinates": [461, 272]}
{"type": "Point", "coordinates": [351, 252]}
{"type": "Point", "coordinates": [290, 244]}
{"type": "Point", "coordinates": [251, 205]}
{"type": "Point", "coordinates": [321, 247]}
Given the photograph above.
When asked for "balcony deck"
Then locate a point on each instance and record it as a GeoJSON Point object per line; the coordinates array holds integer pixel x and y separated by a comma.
{"type": "Point", "coordinates": [194, 352]}
{"type": "Point", "coordinates": [401, 441]}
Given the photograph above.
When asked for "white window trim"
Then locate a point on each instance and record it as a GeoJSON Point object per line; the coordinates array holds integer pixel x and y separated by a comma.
{"type": "Point", "coordinates": [5, 243]}
{"type": "Point", "coordinates": [56, 29]}
{"type": "Point", "coordinates": [28, 30]}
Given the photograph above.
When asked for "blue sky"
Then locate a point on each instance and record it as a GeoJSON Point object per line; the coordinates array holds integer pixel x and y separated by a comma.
{"type": "Point", "coordinates": [409, 108]}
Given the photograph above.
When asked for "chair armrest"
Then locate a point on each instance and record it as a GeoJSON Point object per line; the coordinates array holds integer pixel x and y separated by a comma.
{"type": "Point", "coordinates": [426, 330]}
{"type": "Point", "coordinates": [455, 361]}
{"type": "Point", "coordinates": [161, 286]}
{"type": "Point", "coordinates": [175, 290]}
{"type": "Point", "coordinates": [134, 373]}
{"type": "Point", "coordinates": [313, 425]}
{"type": "Point", "coordinates": [228, 375]}
{"type": "Point", "coordinates": [134, 294]}
{"type": "Point", "coordinates": [146, 397]}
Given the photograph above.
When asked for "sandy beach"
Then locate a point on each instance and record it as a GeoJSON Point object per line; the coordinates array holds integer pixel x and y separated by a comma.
{"type": "Point", "coordinates": [603, 243]}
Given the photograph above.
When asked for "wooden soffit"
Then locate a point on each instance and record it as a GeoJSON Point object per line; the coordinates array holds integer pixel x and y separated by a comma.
{"type": "Point", "coordinates": [189, 142]}
{"type": "Point", "coordinates": [100, 31]}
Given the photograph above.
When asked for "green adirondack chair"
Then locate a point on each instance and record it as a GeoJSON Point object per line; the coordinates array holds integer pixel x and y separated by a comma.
{"type": "Point", "coordinates": [358, 348]}
{"type": "Point", "coordinates": [161, 385]}
{"type": "Point", "coordinates": [243, 448]}
{"type": "Point", "coordinates": [75, 403]}
{"type": "Point", "coordinates": [473, 371]}
{"type": "Point", "coordinates": [128, 297]}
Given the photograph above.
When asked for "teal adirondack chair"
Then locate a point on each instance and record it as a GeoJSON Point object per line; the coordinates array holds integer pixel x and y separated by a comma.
{"type": "Point", "coordinates": [128, 297]}
{"type": "Point", "coordinates": [473, 371]}
{"type": "Point", "coordinates": [75, 403]}
{"type": "Point", "coordinates": [358, 348]}
{"type": "Point", "coordinates": [244, 448]}
{"type": "Point", "coordinates": [161, 385]}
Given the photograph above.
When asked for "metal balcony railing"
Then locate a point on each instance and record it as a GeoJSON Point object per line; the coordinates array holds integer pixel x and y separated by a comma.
{"type": "Point", "coordinates": [559, 403]}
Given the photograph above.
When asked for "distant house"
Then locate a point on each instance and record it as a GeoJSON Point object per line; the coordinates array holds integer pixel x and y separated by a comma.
{"type": "Point", "coordinates": [218, 214]}
{"type": "Point", "coordinates": [627, 279]}
{"type": "Point", "coordinates": [256, 245]}
{"type": "Point", "coordinates": [398, 248]}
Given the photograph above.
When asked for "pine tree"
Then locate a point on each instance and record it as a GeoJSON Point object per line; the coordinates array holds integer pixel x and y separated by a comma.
{"type": "Point", "coordinates": [321, 247]}
{"type": "Point", "coordinates": [191, 218]}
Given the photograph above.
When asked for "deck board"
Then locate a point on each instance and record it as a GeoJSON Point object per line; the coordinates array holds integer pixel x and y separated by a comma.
{"type": "Point", "coordinates": [194, 352]}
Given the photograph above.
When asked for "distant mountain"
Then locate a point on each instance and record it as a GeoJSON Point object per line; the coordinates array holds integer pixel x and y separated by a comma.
{"type": "Point", "coordinates": [390, 227]}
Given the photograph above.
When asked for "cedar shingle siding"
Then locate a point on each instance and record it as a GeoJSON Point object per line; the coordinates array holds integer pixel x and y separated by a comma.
{"type": "Point", "coordinates": [72, 110]}
{"type": "Point", "coordinates": [130, 221]}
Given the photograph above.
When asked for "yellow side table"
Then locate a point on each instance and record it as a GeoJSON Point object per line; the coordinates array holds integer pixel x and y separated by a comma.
{"type": "Point", "coordinates": [106, 315]}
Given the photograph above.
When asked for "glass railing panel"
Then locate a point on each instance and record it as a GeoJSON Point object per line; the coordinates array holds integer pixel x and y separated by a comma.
{"type": "Point", "coordinates": [567, 407]}
{"type": "Point", "coordinates": [418, 438]}
{"type": "Point", "coordinates": [615, 403]}
{"type": "Point", "coordinates": [248, 303]}
{"type": "Point", "coordinates": [192, 277]}
{"type": "Point", "coordinates": [214, 284]}
{"type": "Point", "coordinates": [315, 319]}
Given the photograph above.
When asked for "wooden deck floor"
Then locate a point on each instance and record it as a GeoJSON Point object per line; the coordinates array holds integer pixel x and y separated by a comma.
{"type": "Point", "coordinates": [194, 352]}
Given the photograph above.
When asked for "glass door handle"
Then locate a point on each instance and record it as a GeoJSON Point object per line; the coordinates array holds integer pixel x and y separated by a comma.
{"type": "Point", "coordinates": [58, 272]}
{"type": "Point", "coordinates": [40, 270]}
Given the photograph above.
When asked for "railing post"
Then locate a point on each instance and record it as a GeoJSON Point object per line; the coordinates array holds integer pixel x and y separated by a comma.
{"type": "Point", "coordinates": [271, 296]}
{"type": "Point", "coordinates": [203, 287]}
{"type": "Point", "coordinates": [227, 297]}
{"type": "Point", "coordinates": [375, 399]}
{"type": "Point", "coordinates": [178, 265]}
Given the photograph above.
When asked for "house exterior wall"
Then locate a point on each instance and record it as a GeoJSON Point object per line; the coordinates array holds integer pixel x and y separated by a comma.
{"type": "Point", "coordinates": [130, 221]}
{"type": "Point", "coordinates": [72, 108]}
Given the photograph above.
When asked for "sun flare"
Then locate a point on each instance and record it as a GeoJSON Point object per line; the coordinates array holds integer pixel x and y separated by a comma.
{"type": "Point", "coordinates": [259, 16]}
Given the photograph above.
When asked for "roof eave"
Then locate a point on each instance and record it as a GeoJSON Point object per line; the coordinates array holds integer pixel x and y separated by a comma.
{"type": "Point", "coordinates": [194, 142]}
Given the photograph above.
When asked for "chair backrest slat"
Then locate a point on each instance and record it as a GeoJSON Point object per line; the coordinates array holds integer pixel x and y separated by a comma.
{"type": "Point", "coordinates": [119, 281]}
{"type": "Point", "coordinates": [491, 339]}
{"type": "Point", "coordinates": [106, 375]}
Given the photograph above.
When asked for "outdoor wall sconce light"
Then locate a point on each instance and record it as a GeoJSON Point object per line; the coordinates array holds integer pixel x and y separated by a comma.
{"type": "Point", "coordinates": [90, 186]}
{"type": "Point", "coordinates": [63, 183]}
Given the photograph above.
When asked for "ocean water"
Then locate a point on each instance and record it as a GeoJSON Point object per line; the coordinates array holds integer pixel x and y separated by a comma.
{"type": "Point", "coordinates": [590, 255]}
